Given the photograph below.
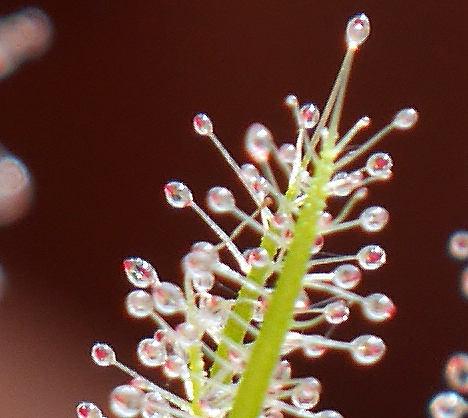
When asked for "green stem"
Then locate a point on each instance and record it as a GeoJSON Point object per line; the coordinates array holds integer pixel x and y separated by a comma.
{"type": "Point", "coordinates": [265, 351]}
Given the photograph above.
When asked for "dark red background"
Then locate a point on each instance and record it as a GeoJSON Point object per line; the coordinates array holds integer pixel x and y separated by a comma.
{"type": "Point", "coordinates": [104, 120]}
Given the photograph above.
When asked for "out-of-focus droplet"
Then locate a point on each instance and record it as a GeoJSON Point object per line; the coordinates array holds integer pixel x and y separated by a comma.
{"type": "Point", "coordinates": [258, 142]}
{"type": "Point", "coordinates": [257, 257]}
{"type": "Point", "coordinates": [178, 194]}
{"type": "Point", "coordinates": [287, 153]}
{"type": "Point", "coordinates": [202, 124]}
{"type": "Point", "coordinates": [357, 30]}
{"type": "Point", "coordinates": [88, 410]}
{"type": "Point", "coordinates": [139, 272]}
{"type": "Point", "coordinates": [371, 257]}
{"type": "Point", "coordinates": [447, 405]}
{"type": "Point", "coordinates": [16, 190]}
{"type": "Point", "coordinates": [220, 200]}
{"type": "Point", "coordinates": [314, 346]}
{"type": "Point", "coordinates": [153, 405]}
{"type": "Point", "coordinates": [125, 401]}
{"type": "Point", "coordinates": [458, 245]}
{"type": "Point", "coordinates": [464, 282]}
{"type": "Point", "coordinates": [456, 372]}
{"type": "Point", "coordinates": [405, 119]}
{"type": "Point", "coordinates": [103, 354]}
{"type": "Point", "coordinates": [367, 349]}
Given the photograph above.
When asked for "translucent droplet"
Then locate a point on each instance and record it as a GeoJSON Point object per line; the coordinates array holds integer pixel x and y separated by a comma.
{"type": "Point", "coordinates": [213, 311]}
{"type": "Point", "coordinates": [342, 183]}
{"type": "Point", "coordinates": [257, 257]}
{"type": "Point", "coordinates": [367, 349]}
{"type": "Point", "coordinates": [373, 218]}
{"type": "Point", "coordinates": [447, 405]}
{"type": "Point", "coordinates": [318, 244]}
{"type": "Point", "coordinates": [203, 257]}
{"type": "Point", "coordinates": [346, 276]}
{"type": "Point", "coordinates": [175, 367]}
{"type": "Point", "coordinates": [464, 282]}
{"type": "Point", "coordinates": [291, 101]}
{"type": "Point", "coordinates": [456, 372]}
{"type": "Point", "coordinates": [258, 142]}
{"type": "Point", "coordinates": [220, 200]}
{"type": "Point", "coordinates": [151, 352]}
{"type": "Point", "coordinates": [103, 354]}
{"type": "Point", "coordinates": [287, 153]}
{"type": "Point", "coordinates": [379, 165]}
{"type": "Point", "coordinates": [186, 334]}
{"type": "Point", "coordinates": [314, 346]}
{"type": "Point", "coordinates": [371, 257]}
{"type": "Point", "coordinates": [202, 281]}
{"type": "Point", "coordinates": [88, 410]}
{"type": "Point", "coordinates": [168, 299]}
{"type": "Point", "coordinates": [378, 307]}
{"type": "Point", "coordinates": [405, 118]}
{"type": "Point", "coordinates": [139, 272]}
{"type": "Point", "coordinates": [153, 405]}
{"type": "Point", "coordinates": [302, 302]}
{"type": "Point", "coordinates": [202, 124]}
{"type": "Point", "coordinates": [178, 194]}
{"type": "Point", "coordinates": [272, 413]}
{"type": "Point", "coordinates": [125, 401]}
{"type": "Point", "coordinates": [139, 304]}
{"type": "Point", "coordinates": [328, 414]}
{"type": "Point", "coordinates": [309, 115]}
{"type": "Point", "coordinates": [458, 245]}
{"type": "Point", "coordinates": [357, 30]}
{"type": "Point", "coordinates": [283, 371]}
{"type": "Point", "coordinates": [306, 394]}
{"type": "Point", "coordinates": [292, 341]}
{"type": "Point", "coordinates": [336, 312]}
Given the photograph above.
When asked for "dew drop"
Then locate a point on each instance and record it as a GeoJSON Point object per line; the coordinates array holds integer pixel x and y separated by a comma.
{"type": "Point", "coordinates": [458, 245]}
{"type": "Point", "coordinates": [371, 257]}
{"type": "Point", "coordinates": [292, 341]}
{"type": "Point", "coordinates": [342, 183]}
{"type": "Point", "coordinates": [186, 334]}
{"type": "Point", "coordinates": [379, 165]}
{"type": "Point", "coordinates": [291, 101]}
{"type": "Point", "coordinates": [367, 349]}
{"type": "Point", "coordinates": [314, 346]}
{"type": "Point", "coordinates": [178, 195]}
{"type": "Point", "coordinates": [287, 153]}
{"type": "Point", "coordinates": [103, 354]}
{"type": "Point", "coordinates": [151, 352]}
{"type": "Point", "coordinates": [202, 124]}
{"type": "Point", "coordinates": [202, 258]}
{"type": "Point", "coordinates": [272, 413]}
{"type": "Point", "coordinates": [258, 142]}
{"type": "Point", "coordinates": [317, 245]}
{"type": "Point", "coordinates": [175, 367]}
{"type": "Point", "coordinates": [346, 276]}
{"type": "Point", "coordinates": [336, 312]}
{"type": "Point", "coordinates": [139, 272]}
{"type": "Point", "coordinates": [139, 304]}
{"type": "Point", "coordinates": [306, 394]}
{"type": "Point", "coordinates": [357, 30]}
{"type": "Point", "coordinates": [374, 219]}
{"type": "Point", "coordinates": [220, 200]}
{"type": "Point", "coordinates": [125, 401]}
{"type": "Point", "coordinates": [88, 410]}
{"type": "Point", "coordinates": [447, 405]}
{"type": "Point", "coordinates": [456, 372]}
{"type": "Point", "coordinates": [309, 116]}
{"type": "Point", "coordinates": [405, 119]}
{"type": "Point", "coordinates": [153, 405]}
{"type": "Point", "coordinates": [202, 281]}
{"type": "Point", "coordinates": [378, 307]}
{"type": "Point", "coordinates": [168, 299]}
{"type": "Point", "coordinates": [257, 257]}
{"type": "Point", "coordinates": [464, 282]}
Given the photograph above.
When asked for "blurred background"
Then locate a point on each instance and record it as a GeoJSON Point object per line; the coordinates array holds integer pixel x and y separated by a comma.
{"type": "Point", "coordinates": [103, 120]}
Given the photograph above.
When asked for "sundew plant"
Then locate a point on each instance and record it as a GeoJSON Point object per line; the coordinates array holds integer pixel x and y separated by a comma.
{"type": "Point", "coordinates": [227, 333]}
